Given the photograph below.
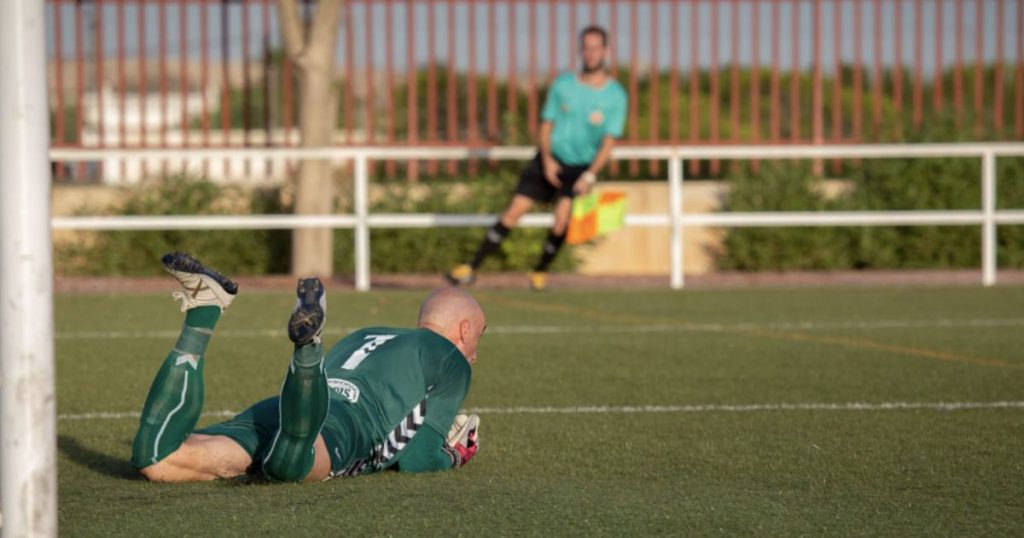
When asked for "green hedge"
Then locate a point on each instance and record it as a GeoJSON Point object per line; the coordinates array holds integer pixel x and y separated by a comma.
{"type": "Point", "coordinates": [780, 187]}
{"type": "Point", "coordinates": [137, 252]}
{"type": "Point", "coordinates": [874, 185]}
{"type": "Point", "coordinates": [436, 250]}
{"type": "Point", "coordinates": [258, 252]}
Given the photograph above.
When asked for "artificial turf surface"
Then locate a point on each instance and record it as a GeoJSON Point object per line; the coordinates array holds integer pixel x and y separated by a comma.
{"type": "Point", "coordinates": [568, 446]}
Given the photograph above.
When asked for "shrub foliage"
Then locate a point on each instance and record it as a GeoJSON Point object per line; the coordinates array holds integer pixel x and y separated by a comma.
{"type": "Point", "coordinates": [257, 252]}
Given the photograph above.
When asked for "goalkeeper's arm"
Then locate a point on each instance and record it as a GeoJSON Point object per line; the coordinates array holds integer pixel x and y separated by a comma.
{"type": "Point", "coordinates": [427, 451]}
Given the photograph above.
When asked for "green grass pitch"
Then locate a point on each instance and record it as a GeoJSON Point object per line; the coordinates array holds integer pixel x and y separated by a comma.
{"type": "Point", "coordinates": [603, 413]}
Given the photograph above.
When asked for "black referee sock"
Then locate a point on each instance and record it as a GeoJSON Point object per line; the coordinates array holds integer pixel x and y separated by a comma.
{"type": "Point", "coordinates": [551, 247]}
{"type": "Point", "coordinates": [491, 243]}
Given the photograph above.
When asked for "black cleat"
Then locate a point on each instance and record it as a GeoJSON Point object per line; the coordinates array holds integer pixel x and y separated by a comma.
{"type": "Point", "coordinates": [310, 314]}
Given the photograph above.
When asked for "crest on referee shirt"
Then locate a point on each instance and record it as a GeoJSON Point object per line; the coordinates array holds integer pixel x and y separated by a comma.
{"type": "Point", "coordinates": [596, 117]}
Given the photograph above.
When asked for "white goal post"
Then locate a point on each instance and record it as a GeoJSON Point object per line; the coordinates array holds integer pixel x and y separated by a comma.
{"type": "Point", "coordinates": [28, 432]}
{"type": "Point", "coordinates": [674, 218]}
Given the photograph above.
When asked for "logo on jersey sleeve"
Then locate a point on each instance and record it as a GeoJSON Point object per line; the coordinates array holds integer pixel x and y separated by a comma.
{"type": "Point", "coordinates": [345, 388]}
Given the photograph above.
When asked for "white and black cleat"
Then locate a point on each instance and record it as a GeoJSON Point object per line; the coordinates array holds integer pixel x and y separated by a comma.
{"type": "Point", "coordinates": [202, 286]}
{"type": "Point", "coordinates": [310, 314]}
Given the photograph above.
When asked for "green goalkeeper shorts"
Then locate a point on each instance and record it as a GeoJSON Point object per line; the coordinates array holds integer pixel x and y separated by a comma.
{"type": "Point", "coordinates": [253, 429]}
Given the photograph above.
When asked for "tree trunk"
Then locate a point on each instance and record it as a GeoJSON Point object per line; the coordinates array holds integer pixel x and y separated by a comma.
{"type": "Point", "coordinates": [313, 57]}
{"type": "Point", "coordinates": [312, 248]}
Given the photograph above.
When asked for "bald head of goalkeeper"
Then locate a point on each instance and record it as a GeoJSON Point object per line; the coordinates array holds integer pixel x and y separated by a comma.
{"type": "Point", "coordinates": [455, 315]}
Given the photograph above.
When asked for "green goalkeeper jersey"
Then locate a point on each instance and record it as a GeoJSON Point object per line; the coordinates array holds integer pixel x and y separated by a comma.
{"type": "Point", "coordinates": [394, 395]}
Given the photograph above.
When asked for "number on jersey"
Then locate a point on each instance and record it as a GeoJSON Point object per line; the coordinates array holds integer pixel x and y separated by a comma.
{"type": "Point", "coordinates": [360, 355]}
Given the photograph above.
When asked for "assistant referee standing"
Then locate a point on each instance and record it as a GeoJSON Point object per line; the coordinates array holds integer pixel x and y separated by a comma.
{"type": "Point", "coordinates": [583, 115]}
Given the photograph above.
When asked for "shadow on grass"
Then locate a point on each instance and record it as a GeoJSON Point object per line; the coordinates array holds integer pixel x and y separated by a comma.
{"type": "Point", "coordinates": [96, 460]}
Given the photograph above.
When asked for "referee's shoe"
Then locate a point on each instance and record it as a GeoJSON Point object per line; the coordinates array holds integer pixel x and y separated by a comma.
{"type": "Point", "coordinates": [461, 275]}
{"type": "Point", "coordinates": [538, 280]}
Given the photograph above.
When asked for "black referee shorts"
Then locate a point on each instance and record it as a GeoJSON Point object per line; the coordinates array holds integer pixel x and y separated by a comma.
{"type": "Point", "coordinates": [533, 185]}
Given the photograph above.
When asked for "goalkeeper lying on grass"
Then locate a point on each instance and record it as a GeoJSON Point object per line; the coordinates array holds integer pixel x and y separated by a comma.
{"type": "Point", "coordinates": [382, 398]}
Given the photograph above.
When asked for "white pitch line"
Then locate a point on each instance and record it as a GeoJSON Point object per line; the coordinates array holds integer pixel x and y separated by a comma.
{"type": "Point", "coordinates": [631, 409]}
{"type": "Point", "coordinates": [605, 329]}
{"type": "Point", "coordinates": [747, 408]}
{"type": "Point", "coordinates": [881, 324]}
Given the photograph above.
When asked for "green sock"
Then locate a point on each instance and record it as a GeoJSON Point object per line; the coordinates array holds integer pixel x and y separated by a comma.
{"type": "Point", "coordinates": [204, 317]}
{"type": "Point", "coordinates": [303, 408]}
{"type": "Point", "coordinates": [175, 398]}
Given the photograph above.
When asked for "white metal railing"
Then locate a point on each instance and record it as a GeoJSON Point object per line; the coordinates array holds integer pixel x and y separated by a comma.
{"type": "Point", "coordinates": [675, 219]}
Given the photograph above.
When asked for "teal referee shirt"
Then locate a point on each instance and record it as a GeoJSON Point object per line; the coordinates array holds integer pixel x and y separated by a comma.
{"type": "Point", "coordinates": [582, 116]}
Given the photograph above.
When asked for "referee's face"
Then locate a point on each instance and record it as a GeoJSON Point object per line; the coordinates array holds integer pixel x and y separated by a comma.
{"type": "Point", "coordinates": [593, 50]}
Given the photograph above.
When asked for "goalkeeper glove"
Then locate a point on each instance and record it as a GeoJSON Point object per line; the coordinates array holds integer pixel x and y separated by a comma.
{"type": "Point", "coordinates": [463, 441]}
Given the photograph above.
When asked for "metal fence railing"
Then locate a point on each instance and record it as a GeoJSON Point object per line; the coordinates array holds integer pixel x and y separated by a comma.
{"type": "Point", "coordinates": [204, 73]}
{"type": "Point", "coordinates": [674, 218]}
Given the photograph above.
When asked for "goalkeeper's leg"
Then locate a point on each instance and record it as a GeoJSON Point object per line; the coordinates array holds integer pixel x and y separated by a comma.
{"type": "Point", "coordinates": [175, 397]}
{"type": "Point", "coordinates": [304, 400]}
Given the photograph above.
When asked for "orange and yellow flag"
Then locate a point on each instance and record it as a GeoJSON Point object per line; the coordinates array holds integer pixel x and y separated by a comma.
{"type": "Point", "coordinates": [596, 214]}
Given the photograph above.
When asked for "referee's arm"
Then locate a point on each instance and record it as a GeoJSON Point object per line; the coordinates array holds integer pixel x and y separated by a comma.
{"type": "Point", "coordinates": [544, 139]}
{"type": "Point", "coordinates": [550, 164]}
{"type": "Point", "coordinates": [589, 177]}
{"type": "Point", "coordinates": [614, 129]}
{"type": "Point", "coordinates": [604, 153]}
{"type": "Point", "coordinates": [614, 126]}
